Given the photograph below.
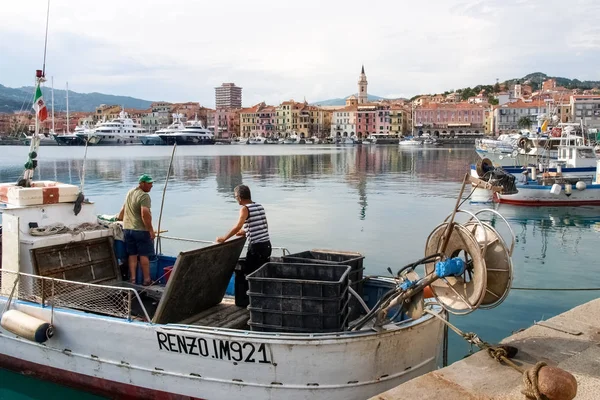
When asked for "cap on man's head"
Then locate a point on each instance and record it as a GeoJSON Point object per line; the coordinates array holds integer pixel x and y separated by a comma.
{"type": "Point", "coordinates": [145, 178]}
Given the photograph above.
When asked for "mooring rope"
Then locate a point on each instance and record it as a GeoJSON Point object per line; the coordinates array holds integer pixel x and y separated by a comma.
{"type": "Point", "coordinates": [501, 354]}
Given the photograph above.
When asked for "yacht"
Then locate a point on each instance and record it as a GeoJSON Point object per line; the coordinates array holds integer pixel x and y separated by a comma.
{"type": "Point", "coordinates": [193, 133]}
{"type": "Point", "coordinates": [410, 142]}
{"type": "Point", "coordinates": [154, 139]}
{"type": "Point", "coordinates": [122, 130]}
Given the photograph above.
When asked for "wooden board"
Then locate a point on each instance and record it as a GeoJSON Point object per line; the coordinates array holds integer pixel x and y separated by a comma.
{"type": "Point", "coordinates": [90, 261]}
{"type": "Point", "coordinates": [198, 281]}
{"type": "Point", "coordinates": [224, 315]}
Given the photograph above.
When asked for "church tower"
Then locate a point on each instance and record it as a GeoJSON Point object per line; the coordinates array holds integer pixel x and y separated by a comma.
{"type": "Point", "coordinates": [362, 87]}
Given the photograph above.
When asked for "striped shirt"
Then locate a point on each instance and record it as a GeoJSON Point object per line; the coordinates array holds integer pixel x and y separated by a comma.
{"type": "Point", "coordinates": [256, 227]}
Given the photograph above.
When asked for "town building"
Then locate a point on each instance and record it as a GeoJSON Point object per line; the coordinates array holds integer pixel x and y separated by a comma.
{"type": "Point", "coordinates": [586, 109]}
{"type": "Point", "coordinates": [507, 116]}
{"type": "Point", "coordinates": [228, 96]}
{"type": "Point", "coordinates": [449, 119]}
{"type": "Point", "coordinates": [159, 116]}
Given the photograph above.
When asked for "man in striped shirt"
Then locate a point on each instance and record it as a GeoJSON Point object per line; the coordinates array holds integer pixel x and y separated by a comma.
{"type": "Point", "coordinates": [252, 223]}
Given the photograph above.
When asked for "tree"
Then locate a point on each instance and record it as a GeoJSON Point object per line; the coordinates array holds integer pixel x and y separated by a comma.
{"type": "Point", "coordinates": [496, 88]}
{"type": "Point", "coordinates": [524, 123]}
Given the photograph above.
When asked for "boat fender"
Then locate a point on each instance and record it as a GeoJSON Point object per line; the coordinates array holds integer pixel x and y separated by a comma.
{"type": "Point", "coordinates": [555, 189]}
{"type": "Point", "coordinates": [450, 267]}
{"type": "Point", "coordinates": [26, 326]}
{"type": "Point", "coordinates": [427, 292]}
{"type": "Point", "coordinates": [568, 189]}
{"type": "Point", "coordinates": [580, 185]}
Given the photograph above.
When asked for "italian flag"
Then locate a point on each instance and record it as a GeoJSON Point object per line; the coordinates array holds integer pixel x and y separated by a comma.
{"type": "Point", "coordinates": [39, 105]}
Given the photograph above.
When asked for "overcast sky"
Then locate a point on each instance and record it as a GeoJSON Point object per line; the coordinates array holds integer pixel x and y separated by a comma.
{"type": "Point", "coordinates": [180, 50]}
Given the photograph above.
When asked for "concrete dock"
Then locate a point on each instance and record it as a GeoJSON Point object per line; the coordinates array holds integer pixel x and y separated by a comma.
{"type": "Point", "coordinates": [570, 341]}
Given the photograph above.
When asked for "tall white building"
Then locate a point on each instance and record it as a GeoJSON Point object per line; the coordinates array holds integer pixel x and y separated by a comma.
{"type": "Point", "coordinates": [362, 87]}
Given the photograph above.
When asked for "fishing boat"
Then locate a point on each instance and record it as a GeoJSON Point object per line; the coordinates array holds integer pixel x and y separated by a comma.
{"type": "Point", "coordinates": [70, 316]}
{"type": "Point", "coordinates": [553, 189]}
{"type": "Point", "coordinates": [575, 162]}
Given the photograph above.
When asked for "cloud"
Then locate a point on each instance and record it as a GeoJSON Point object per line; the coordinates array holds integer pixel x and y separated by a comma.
{"type": "Point", "coordinates": [280, 50]}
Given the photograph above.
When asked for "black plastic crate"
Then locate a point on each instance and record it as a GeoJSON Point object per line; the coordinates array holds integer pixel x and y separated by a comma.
{"type": "Point", "coordinates": [302, 304]}
{"type": "Point", "coordinates": [318, 256]}
{"type": "Point", "coordinates": [353, 259]}
{"type": "Point", "coordinates": [292, 297]}
{"type": "Point", "coordinates": [317, 281]}
{"type": "Point", "coordinates": [276, 321]}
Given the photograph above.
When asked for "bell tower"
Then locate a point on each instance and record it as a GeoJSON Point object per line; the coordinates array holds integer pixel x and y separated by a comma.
{"type": "Point", "coordinates": [362, 87]}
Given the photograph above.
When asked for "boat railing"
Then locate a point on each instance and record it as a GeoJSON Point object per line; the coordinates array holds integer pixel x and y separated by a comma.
{"type": "Point", "coordinates": [284, 251]}
{"type": "Point", "coordinates": [115, 301]}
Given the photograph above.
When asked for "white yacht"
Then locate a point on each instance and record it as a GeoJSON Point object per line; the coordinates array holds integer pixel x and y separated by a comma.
{"type": "Point", "coordinates": [154, 139]}
{"type": "Point", "coordinates": [193, 133]}
{"type": "Point", "coordinates": [122, 130]}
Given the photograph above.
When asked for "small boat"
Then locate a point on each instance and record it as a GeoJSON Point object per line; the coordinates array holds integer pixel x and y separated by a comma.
{"type": "Point", "coordinates": [574, 163]}
{"type": "Point", "coordinates": [291, 139]}
{"type": "Point", "coordinates": [238, 140]}
{"type": "Point", "coordinates": [257, 140]}
{"type": "Point", "coordinates": [410, 142]}
{"type": "Point", "coordinates": [314, 140]}
{"type": "Point", "coordinates": [383, 138]}
{"type": "Point", "coordinates": [553, 189]}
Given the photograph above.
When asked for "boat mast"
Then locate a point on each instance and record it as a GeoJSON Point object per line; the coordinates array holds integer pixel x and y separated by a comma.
{"type": "Point", "coordinates": [52, 80]}
{"type": "Point", "coordinates": [68, 132]}
{"type": "Point", "coordinates": [34, 146]}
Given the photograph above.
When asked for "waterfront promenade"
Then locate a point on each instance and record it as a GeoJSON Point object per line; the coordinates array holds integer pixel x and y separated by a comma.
{"type": "Point", "coordinates": [570, 341]}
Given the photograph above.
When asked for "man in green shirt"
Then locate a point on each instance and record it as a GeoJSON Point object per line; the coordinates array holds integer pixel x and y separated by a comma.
{"type": "Point", "coordinates": [137, 227]}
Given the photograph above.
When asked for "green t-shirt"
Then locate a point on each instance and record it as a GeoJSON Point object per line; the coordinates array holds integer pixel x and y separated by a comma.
{"type": "Point", "coordinates": [134, 201]}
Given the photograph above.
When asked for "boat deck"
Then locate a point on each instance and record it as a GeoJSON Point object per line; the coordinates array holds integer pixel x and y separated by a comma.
{"type": "Point", "coordinates": [224, 315]}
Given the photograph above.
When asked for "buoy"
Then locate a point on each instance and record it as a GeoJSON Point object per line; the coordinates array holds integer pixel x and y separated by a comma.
{"type": "Point", "coordinates": [557, 384]}
{"type": "Point", "coordinates": [568, 189]}
{"type": "Point", "coordinates": [427, 293]}
{"type": "Point", "coordinates": [26, 326]}
{"type": "Point", "coordinates": [533, 173]}
{"type": "Point", "coordinates": [556, 189]}
{"type": "Point", "coordinates": [580, 185]}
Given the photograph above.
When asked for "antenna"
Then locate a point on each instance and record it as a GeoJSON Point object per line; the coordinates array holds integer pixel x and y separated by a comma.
{"type": "Point", "coordinates": [46, 40]}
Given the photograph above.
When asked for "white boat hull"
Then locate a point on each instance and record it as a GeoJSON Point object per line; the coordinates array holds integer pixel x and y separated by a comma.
{"type": "Point", "coordinates": [540, 195]}
{"type": "Point", "coordinates": [114, 357]}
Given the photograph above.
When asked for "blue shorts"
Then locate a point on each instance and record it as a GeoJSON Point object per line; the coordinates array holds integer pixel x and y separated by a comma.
{"type": "Point", "coordinates": [138, 243]}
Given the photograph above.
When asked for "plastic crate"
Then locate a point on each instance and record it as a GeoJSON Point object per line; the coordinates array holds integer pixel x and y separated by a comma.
{"type": "Point", "coordinates": [274, 321]}
{"type": "Point", "coordinates": [352, 259]}
{"type": "Point", "coordinates": [293, 297]}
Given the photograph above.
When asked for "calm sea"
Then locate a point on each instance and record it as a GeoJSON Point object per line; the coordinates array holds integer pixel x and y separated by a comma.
{"type": "Point", "coordinates": [382, 201]}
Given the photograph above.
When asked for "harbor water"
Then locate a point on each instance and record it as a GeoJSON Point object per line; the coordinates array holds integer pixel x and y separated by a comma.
{"type": "Point", "coordinates": [382, 201]}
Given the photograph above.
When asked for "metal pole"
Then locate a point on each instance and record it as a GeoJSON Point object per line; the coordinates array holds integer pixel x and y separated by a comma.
{"type": "Point", "coordinates": [162, 203]}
